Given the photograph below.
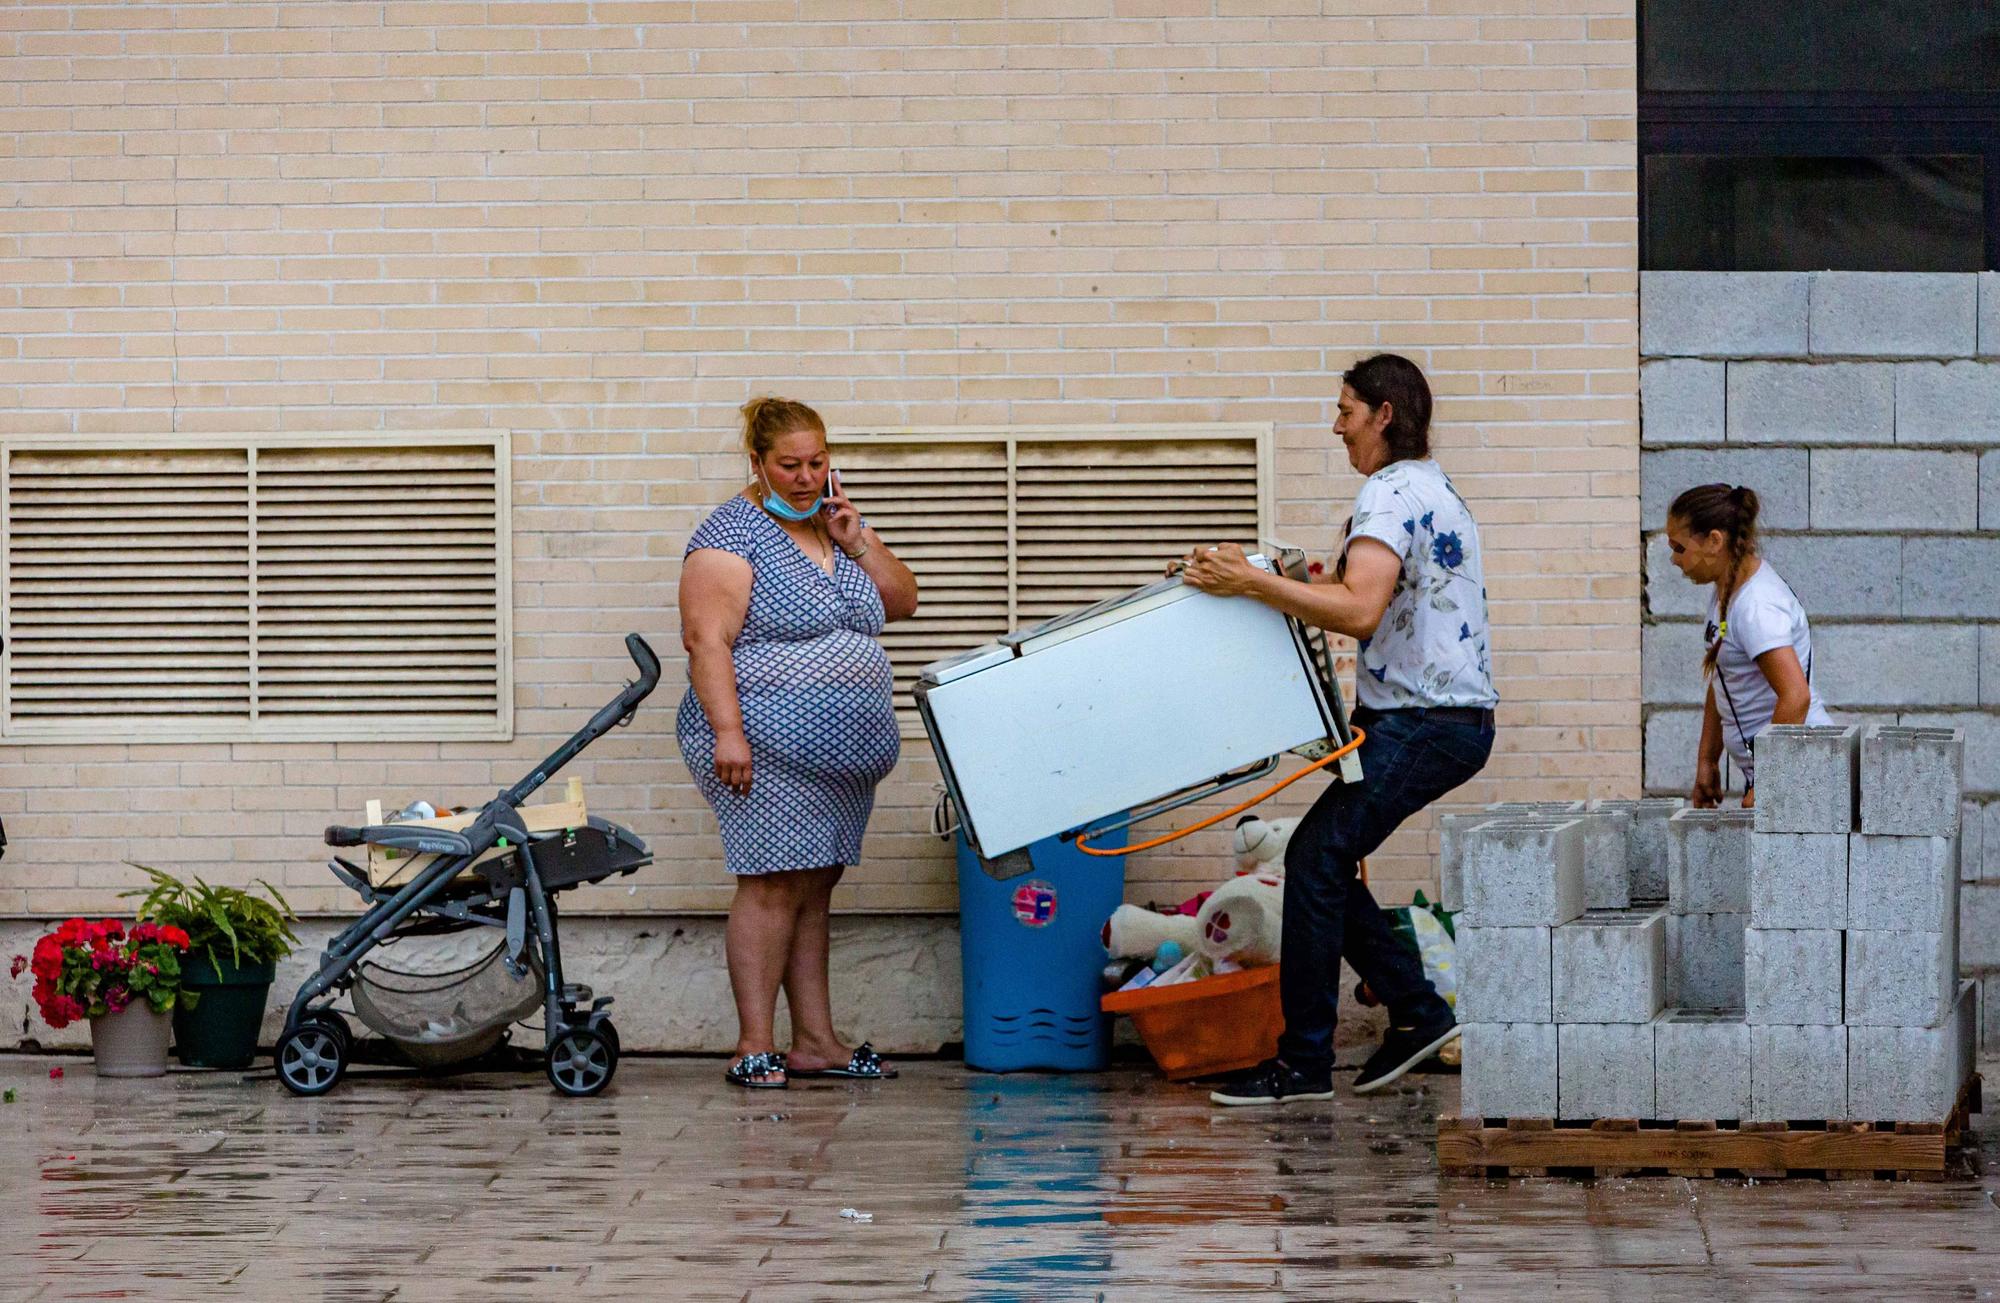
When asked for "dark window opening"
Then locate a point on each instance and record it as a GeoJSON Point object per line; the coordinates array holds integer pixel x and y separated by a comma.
{"type": "Point", "coordinates": [1854, 135]}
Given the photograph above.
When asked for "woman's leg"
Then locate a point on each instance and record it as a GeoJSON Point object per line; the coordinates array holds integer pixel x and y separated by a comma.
{"type": "Point", "coordinates": [815, 1044]}
{"type": "Point", "coordinates": [762, 921]}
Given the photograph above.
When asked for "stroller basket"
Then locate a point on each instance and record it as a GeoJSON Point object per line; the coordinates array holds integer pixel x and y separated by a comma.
{"type": "Point", "coordinates": [437, 1019]}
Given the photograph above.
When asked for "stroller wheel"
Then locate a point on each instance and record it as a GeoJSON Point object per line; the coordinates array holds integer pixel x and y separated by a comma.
{"type": "Point", "coordinates": [312, 1057]}
{"type": "Point", "coordinates": [610, 1034]}
{"type": "Point", "coordinates": [581, 1062]}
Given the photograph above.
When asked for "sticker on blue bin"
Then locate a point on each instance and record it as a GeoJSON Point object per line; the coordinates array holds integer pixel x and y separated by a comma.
{"type": "Point", "coordinates": [1035, 903]}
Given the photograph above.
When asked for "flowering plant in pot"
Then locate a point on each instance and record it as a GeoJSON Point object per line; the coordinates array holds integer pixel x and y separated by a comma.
{"type": "Point", "coordinates": [126, 979]}
{"type": "Point", "coordinates": [237, 937]}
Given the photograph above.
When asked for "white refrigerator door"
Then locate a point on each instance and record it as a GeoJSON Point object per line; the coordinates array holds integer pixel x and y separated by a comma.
{"type": "Point", "coordinates": [1172, 695]}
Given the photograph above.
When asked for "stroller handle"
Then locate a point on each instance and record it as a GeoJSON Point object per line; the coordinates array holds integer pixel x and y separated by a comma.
{"type": "Point", "coordinates": [614, 712]}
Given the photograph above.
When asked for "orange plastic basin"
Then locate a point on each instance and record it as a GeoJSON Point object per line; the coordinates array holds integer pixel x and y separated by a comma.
{"type": "Point", "coordinates": [1217, 1024]}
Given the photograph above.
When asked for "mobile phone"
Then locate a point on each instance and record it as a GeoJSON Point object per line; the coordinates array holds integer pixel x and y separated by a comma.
{"type": "Point", "coordinates": [827, 506]}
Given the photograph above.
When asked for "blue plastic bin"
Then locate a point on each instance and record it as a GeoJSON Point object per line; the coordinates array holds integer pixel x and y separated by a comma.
{"type": "Point", "coordinates": [1032, 951]}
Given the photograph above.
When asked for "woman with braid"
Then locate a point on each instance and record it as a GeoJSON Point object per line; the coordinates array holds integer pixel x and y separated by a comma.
{"type": "Point", "coordinates": [1759, 661]}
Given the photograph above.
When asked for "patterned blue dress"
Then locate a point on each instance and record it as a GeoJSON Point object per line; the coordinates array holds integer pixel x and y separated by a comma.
{"type": "Point", "coordinates": [815, 689]}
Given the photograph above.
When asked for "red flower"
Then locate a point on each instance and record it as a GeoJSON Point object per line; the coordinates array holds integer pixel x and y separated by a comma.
{"type": "Point", "coordinates": [175, 937]}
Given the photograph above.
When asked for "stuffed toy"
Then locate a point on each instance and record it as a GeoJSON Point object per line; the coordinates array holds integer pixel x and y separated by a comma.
{"type": "Point", "coordinates": [1259, 844]}
{"type": "Point", "coordinates": [1244, 919]}
{"type": "Point", "coordinates": [1135, 932]}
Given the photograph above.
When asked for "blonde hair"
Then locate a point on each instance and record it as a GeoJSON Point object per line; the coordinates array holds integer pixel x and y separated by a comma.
{"type": "Point", "coordinates": [767, 418]}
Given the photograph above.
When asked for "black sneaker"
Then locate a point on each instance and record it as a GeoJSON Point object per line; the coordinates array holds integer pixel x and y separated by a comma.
{"type": "Point", "coordinates": [1274, 1082]}
{"type": "Point", "coordinates": [1402, 1049]}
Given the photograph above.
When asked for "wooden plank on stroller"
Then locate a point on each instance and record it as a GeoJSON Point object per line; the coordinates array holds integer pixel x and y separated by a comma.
{"type": "Point", "coordinates": [388, 868]}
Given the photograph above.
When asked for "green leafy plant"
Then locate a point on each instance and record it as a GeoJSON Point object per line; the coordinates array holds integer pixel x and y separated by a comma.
{"type": "Point", "coordinates": [249, 928]}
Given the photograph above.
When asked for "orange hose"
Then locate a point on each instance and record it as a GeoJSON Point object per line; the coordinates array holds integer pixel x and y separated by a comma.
{"type": "Point", "coordinates": [1213, 819]}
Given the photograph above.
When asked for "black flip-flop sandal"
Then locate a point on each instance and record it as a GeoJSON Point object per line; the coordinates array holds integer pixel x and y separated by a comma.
{"type": "Point", "coordinates": [863, 1065]}
{"type": "Point", "coordinates": [746, 1071]}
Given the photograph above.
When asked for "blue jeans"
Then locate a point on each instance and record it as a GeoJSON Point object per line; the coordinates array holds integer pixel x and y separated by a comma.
{"type": "Point", "coordinates": [1410, 758]}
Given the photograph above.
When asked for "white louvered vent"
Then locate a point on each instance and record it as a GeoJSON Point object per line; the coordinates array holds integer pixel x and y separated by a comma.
{"type": "Point", "coordinates": [312, 587]}
{"type": "Point", "coordinates": [128, 589]}
{"type": "Point", "coordinates": [1006, 528]}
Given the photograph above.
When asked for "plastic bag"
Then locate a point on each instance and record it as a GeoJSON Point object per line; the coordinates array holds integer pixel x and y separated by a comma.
{"type": "Point", "coordinates": [1429, 930]}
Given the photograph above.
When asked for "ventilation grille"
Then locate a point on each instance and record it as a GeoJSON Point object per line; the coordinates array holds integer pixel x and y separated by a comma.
{"type": "Point", "coordinates": [274, 589]}
{"type": "Point", "coordinates": [1012, 530]}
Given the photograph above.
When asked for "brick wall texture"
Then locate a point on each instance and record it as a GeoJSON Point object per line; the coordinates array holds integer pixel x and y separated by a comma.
{"type": "Point", "coordinates": [1864, 408]}
{"type": "Point", "coordinates": [603, 226]}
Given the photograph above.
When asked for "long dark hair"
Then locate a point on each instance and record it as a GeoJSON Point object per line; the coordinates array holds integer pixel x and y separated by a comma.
{"type": "Point", "coordinates": [1388, 378]}
{"type": "Point", "coordinates": [1733, 510]}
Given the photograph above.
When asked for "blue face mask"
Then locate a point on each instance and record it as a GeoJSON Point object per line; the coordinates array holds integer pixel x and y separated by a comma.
{"type": "Point", "coordinates": [777, 506]}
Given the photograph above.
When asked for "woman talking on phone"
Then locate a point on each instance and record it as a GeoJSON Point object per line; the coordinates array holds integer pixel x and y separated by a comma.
{"type": "Point", "coordinates": [788, 724]}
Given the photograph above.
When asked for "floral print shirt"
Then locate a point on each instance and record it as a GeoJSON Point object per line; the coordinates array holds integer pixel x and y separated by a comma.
{"type": "Point", "coordinates": [1431, 647]}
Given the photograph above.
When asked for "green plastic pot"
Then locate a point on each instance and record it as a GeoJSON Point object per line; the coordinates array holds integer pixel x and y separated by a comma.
{"type": "Point", "coordinates": [220, 1031]}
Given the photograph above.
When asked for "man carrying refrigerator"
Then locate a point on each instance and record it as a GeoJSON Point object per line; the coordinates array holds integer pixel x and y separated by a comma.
{"type": "Point", "coordinates": [1408, 585]}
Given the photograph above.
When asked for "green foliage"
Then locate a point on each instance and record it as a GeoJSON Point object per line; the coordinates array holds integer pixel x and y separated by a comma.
{"type": "Point", "coordinates": [218, 920]}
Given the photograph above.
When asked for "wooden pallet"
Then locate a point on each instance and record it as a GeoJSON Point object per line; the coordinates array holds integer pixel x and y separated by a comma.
{"type": "Point", "coordinates": [1838, 1150]}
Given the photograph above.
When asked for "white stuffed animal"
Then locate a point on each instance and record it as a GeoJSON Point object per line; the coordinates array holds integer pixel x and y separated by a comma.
{"type": "Point", "coordinates": [1244, 919]}
{"type": "Point", "coordinates": [1259, 844]}
{"type": "Point", "coordinates": [1135, 932]}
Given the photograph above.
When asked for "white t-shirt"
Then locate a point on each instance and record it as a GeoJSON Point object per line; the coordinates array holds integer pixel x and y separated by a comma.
{"type": "Point", "coordinates": [1431, 647]}
{"type": "Point", "coordinates": [1764, 614]}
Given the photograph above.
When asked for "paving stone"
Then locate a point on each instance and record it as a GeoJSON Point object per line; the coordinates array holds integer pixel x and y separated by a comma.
{"type": "Point", "coordinates": [1605, 1070]}
{"type": "Point", "coordinates": [1808, 778]}
{"type": "Point", "coordinates": [1798, 1074]}
{"type": "Point", "coordinates": [1948, 402]}
{"type": "Point", "coordinates": [1811, 402]}
{"type": "Point", "coordinates": [1900, 979]}
{"type": "Point", "coordinates": [1909, 1074]}
{"type": "Point", "coordinates": [1892, 314]}
{"type": "Point", "coordinates": [1705, 960]}
{"type": "Point", "coordinates": [1780, 476]}
{"type": "Point", "coordinates": [1611, 966]}
{"type": "Point", "coordinates": [1792, 976]}
{"type": "Point", "coordinates": [1523, 874]}
{"type": "Point", "coordinates": [1798, 879]}
{"type": "Point", "coordinates": [1902, 884]}
{"type": "Point", "coordinates": [1708, 861]}
{"type": "Point", "coordinates": [1893, 488]}
{"type": "Point", "coordinates": [1503, 974]}
{"type": "Point", "coordinates": [1722, 314]}
{"type": "Point", "coordinates": [1702, 1064]}
{"type": "Point", "coordinates": [1912, 779]}
{"type": "Point", "coordinates": [1680, 401]}
{"type": "Point", "coordinates": [1508, 1070]}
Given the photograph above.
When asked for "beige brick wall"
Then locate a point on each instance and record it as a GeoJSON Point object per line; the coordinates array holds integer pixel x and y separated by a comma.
{"type": "Point", "coordinates": [602, 226]}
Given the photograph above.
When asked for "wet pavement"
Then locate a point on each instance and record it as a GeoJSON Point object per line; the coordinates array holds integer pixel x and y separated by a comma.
{"type": "Point", "coordinates": [676, 1186]}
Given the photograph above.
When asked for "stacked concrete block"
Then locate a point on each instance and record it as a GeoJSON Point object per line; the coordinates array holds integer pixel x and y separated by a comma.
{"type": "Point", "coordinates": [1610, 966]}
{"type": "Point", "coordinates": [1708, 904]}
{"type": "Point", "coordinates": [1792, 976]}
{"type": "Point", "coordinates": [1912, 1073]}
{"type": "Point", "coordinates": [1902, 884]}
{"type": "Point", "coordinates": [1798, 879]}
{"type": "Point", "coordinates": [1452, 828]}
{"type": "Point", "coordinates": [1646, 844]}
{"type": "Point", "coordinates": [1912, 780]}
{"type": "Point", "coordinates": [1702, 1064]}
{"type": "Point", "coordinates": [1798, 1073]}
{"type": "Point", "coordinates": [1523, 873]}
{"type": "Point", "coordinates": [1605, 1070]}
{"type": "Point", "coordinates": [1900, 979]}
{"type": "Point", "coordinates": [1503, 974]}
{"type": "Point", "coordinates": [1509, 1070]}
{"type": "Point", "coordinates": [1705, 960]}
{"type": "Point", "coordinates": [1807, 779]}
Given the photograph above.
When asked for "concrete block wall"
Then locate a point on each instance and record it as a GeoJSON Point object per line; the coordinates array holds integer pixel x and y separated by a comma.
{"type": "Point", "coordinates": [1864, 408]}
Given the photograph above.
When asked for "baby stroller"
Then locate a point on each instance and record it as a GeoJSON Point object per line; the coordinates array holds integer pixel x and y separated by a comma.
{"type": "Point", "coordinates": [489, 872]}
